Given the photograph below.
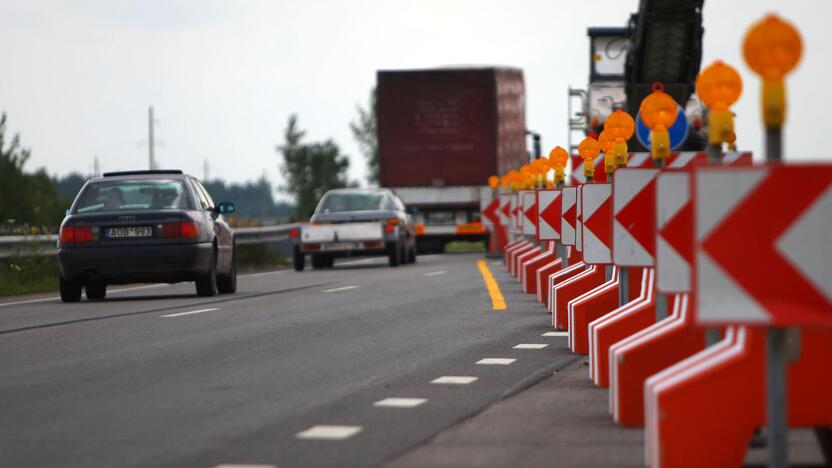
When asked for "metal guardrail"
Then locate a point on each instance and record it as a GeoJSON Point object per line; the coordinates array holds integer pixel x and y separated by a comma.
{"type": "Point", "coordinates": [47, 244]}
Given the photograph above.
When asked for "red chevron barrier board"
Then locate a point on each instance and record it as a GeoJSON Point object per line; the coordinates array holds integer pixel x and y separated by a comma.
{"type": "Point", "coordinates": [762, 245]}
{"type": "Point", "coordinates": [596, 214]}
{"type": "Point", "coordinates": [634, 217]}
{"type": "Point", "coordinates": [549, 212]}
{"type": "Point", "coordinates": [490, 216]}
{"type": "Point", "coordinates": [568, 197]}
{"type": "Point", "coordinates": [676, 159]}
{"type": "Point", "coordinates": [674, 220]}
{"type": "Point", "coordinates": [674, 232]}
{"type": "Point", "coordinates": [514, 227]}
{"type": "Point", "coordinates": [577, 175]}
{"type": "Point", "coordinates": [579, 245]}
{"type": "Point", "coordinates": [529, 212]}
{"type": "Point", "coordinates": [505, 209]}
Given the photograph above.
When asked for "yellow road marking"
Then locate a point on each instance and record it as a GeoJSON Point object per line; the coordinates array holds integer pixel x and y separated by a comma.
{"type": "Point", "coordinates": [497, 301]}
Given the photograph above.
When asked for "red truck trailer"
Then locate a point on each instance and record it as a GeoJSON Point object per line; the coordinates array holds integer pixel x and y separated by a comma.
{"type": "Point", "coordinates": [441, 133]}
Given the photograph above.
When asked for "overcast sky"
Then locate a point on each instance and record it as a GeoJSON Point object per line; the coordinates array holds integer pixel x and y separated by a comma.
{"type": "Point", "coordinates": [223, 76]}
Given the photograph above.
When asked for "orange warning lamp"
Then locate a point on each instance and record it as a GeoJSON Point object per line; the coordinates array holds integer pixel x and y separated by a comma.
{"type": "Point", "coordinates": [605, 141]}
{"type": "Point", "coordinates": [659, 111]}
{"type": "Point", "coordinates": [589, 149]}
{"type": "Point", "coordinates": [558, 158]}
{"type": "Point", "coordinates": [621, 126]}
{"type": "Point", "coordinates": [493, 182]}
{"type": "Point", "coordinates": [772, 48]}
{"type": "Point", "coordinates": [718, 86]}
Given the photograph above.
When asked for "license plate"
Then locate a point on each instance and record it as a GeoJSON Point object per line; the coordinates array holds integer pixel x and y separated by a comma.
{"type": "Point", "coordinates": [340, 246]}
{"type": "Point", "coordinates": [128, 232]}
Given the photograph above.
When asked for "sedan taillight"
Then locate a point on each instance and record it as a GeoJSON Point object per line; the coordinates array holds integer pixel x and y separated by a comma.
{"type": "Point", "coordinates": [180, 230]}
{"type": "Point", "coordinates": [76, 234]}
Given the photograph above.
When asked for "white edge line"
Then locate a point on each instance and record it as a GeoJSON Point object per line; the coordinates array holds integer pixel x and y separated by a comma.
{"type": "Point", "coordinates": [56, 298]}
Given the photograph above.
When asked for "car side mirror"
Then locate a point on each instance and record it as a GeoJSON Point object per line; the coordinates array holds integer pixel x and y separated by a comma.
{"type": "Point", "coordinates": [226, 208]}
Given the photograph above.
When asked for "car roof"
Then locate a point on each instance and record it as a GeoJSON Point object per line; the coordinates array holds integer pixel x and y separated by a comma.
{"type": "Point", "coordinates": [360, 190]}
{"type": "Point", "coordinates": [139, 175]}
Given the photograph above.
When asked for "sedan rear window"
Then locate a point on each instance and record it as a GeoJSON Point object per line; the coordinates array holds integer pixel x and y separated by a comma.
{"type": "Point", "coordinates": [354, 201]}
{"type": "Point", "coordinates": [130, 195]}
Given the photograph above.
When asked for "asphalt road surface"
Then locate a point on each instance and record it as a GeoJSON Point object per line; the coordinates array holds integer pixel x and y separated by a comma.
{"type": "Point", "coordinates": [155, 376]}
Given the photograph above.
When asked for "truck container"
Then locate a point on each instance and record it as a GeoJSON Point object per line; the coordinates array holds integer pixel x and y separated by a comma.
{"type": "Point", "coordinates": [441, 133]}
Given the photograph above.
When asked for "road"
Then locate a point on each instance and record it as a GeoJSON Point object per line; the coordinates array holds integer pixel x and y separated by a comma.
{"type": "Point", "coordinates": [155, 376]}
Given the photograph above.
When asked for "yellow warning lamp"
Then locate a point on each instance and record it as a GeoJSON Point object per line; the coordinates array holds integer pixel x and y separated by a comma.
{"type": "Point", "coordinates": [558, 158]}
{"type": "Point", "coordinates": [659, 111]}
{"type": "Point", "coordinates": [772, 48]}
{"type": "Point", "coordinates": [541, 167]}
{"type": "Point", "coordinates": [513, 179]}
{"type": "Point", "coordinates": [588, 150]}
{"type": "Point", "coordinates": [620, 126]}
{"type": "Point", "coordinates": [718, 86]}
{"type": "Point", "coordinates": [527, 176]}
{"type": "Point", "coordinates": [493, 182]}
{"type": "Point", "coordinates": [605, 141]}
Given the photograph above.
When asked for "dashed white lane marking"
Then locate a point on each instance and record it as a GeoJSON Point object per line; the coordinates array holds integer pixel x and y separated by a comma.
{"type": "Point", "coordinates": [400, 402]}
{"type": "Point", "coordinates": [436, 273]}
{"type": "Point", "coordinates": [496, 361]}
{"type": "Point", "coordinates": [530, 346]}
{"type": "Point", "coordinates": [498, 262]}
{"type": "Point", "coordinates": [344, 288]}
{"type": "Point", "coordinates": [190, 312]}
{"type": "Point", "coordinates": [329, 432]}
{"type": "Point", "coordinates": [454, 380]}
{"type": "Point", "coordinates": [237, 465]}
{"type": "Point", "coordinates": [557, 333]}
{"type": "Point", "coordinates": [112, 291]}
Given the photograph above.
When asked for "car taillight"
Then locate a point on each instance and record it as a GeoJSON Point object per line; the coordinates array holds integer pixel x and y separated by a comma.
{"type": "Point", "coordinates": [294, 233]}
{"type": "Point", "coordinates": [312, 246]}
{"type": "Point", "coordinates": [390, 227]}
{"type": "Point", "coordinates": [373, 244]}
{"type": "Point", "coordinates": [76, 234]}
{"type": "Point", "coordinates": [180, 230]}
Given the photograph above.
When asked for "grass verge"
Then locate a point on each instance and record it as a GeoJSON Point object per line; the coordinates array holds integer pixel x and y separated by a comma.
{"type": "Point", "coordinates": [464, 246]}
{"type": "Point", "coordinates": [32, 274]}
{"type": "Point", "coordinates": [27, 275]}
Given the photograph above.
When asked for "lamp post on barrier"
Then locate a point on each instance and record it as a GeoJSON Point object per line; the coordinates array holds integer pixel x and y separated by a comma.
{"type": "Point", "coordinates": [605, 141]}
{"type": "Point", "coordinates": [588, 150]}
{"type": "Point", "coordinates": [659, 112]}
{"type": "Point", "coordinates": [620, 126]}
{"type": "Point", "coordinates": [719, 86]}
{"type": "Point", "coordinates": [558, 158]}
{"type": "Point", "coordinates": [772, 48]}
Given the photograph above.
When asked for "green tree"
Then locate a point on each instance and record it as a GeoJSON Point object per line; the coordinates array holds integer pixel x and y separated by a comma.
{"type": "Point", "coordinates": [29, 198]}
{"type": "Point", "coordinates": [310, 169]}
{"type": "Point", "coordinates": [364, 131]}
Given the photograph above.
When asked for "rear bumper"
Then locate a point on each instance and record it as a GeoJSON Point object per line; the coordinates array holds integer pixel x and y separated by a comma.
{"type": "Point", "coordinates": [129, 264]}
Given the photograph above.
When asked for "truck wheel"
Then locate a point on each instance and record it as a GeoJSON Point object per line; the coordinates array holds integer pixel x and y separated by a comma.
{"type": "Point", "coordinates": [299, 260]}
{"type": "Point", "coordinates": [412, 255]}
{"type": "Point", "coordinates": [70, 290]}
{"type": "Point", "coordinates": [206, 285]}
{"type": "Point", "coordinates": [395, 255]}
{"type": "Point", "coordinates": [96, 291]}
{"type": "Point", "coordinates": [318, 261]}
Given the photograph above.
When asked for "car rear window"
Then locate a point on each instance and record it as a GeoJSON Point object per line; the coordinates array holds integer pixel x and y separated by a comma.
{"type": "Point", "coordinates": [354, 201]}
{"type": "Point", "coordinates": [131, 195]}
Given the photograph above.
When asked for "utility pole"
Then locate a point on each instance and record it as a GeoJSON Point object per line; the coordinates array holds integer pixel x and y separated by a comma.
{"type": "Point", "coordinates": [96, 167]}
{"type": "Point", "coordinates": [150, 143]}
{"type": "Point", "coordinates": [206, 170]}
